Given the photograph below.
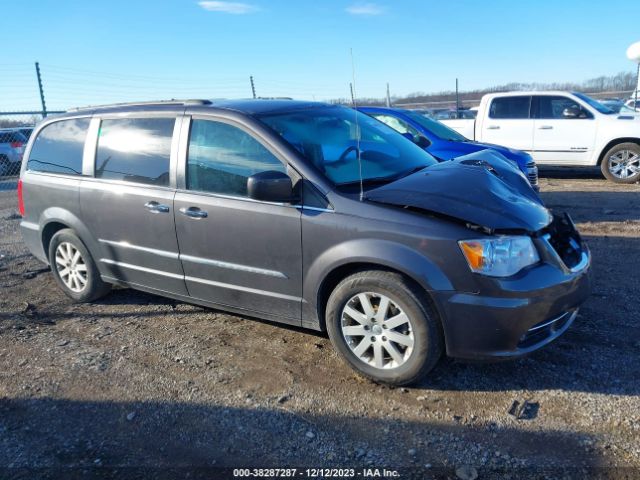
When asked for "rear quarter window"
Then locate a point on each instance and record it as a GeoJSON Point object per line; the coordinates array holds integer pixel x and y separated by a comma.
{"type": "Point", "coordinates": [59, 146]}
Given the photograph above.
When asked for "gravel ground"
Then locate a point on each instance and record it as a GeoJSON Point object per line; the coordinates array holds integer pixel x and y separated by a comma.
{"type": "Point", "coordinates": [139, 385]}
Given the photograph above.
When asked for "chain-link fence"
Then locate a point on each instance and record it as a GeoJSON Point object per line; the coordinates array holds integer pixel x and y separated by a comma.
{"type": "Point", "coordinates": [15, 130]}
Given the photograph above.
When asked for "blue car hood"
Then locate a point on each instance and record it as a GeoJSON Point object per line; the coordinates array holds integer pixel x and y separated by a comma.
{"type": "Point", "coordinates": [482, 188]}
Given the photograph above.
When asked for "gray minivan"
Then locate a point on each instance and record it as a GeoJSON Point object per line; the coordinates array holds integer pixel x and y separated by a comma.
{"type": "Point", "coordinates": [308, 214]}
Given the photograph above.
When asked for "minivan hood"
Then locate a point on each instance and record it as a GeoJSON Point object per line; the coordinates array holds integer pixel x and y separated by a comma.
{"type": "Point", "coordinates": [482, 188]}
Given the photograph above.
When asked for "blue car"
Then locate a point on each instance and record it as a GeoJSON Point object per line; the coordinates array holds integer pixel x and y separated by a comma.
{"type": "Point", "coordinates": [444, 143]}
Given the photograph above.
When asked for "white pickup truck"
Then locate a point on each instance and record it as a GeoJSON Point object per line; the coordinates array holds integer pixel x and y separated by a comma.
{"type": "Point", "coordinates": [559, 128]}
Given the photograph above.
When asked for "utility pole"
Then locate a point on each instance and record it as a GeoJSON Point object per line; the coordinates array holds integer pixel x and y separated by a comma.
{"type": "Point", "coordinates": [253, 86]}
{"type": "Point", "coordinates": [635, 101]}
{"type": "Point", "coordinates": [457, 100]}
{"type": "Point", "coordinates": [388, 96]}
{"type": "Point", "coordinates": [44, 106]}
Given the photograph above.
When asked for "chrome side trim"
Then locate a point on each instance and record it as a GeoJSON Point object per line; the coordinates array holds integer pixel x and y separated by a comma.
{"type": "Point", "coordinates": [232, 266]}
{"type": "Point", "coordinates": [142, 269]}
{"type": "Point", "coordinates": [192, 259]}
{"type": "Point", "coordinates": [315, 209]}
{"type": "Point", "coordinates": [243, 289]}
{"type": "Point", "coordinates": [30, 225]}
{"type": "Point", "coordinates": [124, 244]}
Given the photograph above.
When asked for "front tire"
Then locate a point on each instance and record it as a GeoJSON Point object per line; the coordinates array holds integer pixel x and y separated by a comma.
{"type": "Point", "coordinates": [621, 163]}
{"type": "Point", "coordinates": [384, 327]}
{"type": "Point", "coordinates": [74, 269]}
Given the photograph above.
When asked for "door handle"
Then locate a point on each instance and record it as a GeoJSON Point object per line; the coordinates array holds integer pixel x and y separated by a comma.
{"type": "Point", "coordinates": [545, 127]}
{"type": "Point", "coordinates": [493, 127]}
{"type": "Point", "coordinates": [193, 212]}
{"type": "Point", "coordinates": [155, 207]}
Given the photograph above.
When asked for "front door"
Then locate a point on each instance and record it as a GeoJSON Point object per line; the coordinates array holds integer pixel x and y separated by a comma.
{"type": "Point", "coordinates": [564, 131]}
{"type": "Point", "coordinates": [128, 205]}
{"type": "Point", "coordinates": [236, 251]}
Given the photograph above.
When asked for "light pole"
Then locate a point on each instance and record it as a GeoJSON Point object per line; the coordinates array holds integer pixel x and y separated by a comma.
{"type": "Point", "coordinates": [633, 54]}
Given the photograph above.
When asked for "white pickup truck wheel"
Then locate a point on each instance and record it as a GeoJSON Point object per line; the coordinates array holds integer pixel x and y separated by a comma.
{"type": "Point", "coordinates": [621, 164]}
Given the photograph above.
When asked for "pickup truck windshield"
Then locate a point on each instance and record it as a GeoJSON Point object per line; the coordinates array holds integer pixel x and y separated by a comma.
{"type": "Point", "coordinates": [594, 104]}
{"type": "Point", "coordinates": [328, 137]}
{"type": "Point", "coordinates": [440, 130]}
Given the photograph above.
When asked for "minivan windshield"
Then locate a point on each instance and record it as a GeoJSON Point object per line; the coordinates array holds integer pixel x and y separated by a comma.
{"type": "Point", "coordinates": [328, 137]}
{"type": "Point", "coordinates": [440, 130]}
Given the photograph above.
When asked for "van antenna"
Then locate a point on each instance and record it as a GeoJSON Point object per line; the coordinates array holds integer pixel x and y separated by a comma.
{"type": "Point", "coordinates": [358, 135]}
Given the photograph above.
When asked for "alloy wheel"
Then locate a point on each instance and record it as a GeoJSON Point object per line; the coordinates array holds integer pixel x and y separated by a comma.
{"type": "Point", "coordinates": [624, 164]}
{"type": "Point", "coordinates": [71, 267]}
{"type": "Point", "coordinates": [377, 330]}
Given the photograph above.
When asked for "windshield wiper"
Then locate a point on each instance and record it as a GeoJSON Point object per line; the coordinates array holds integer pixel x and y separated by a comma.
{"type": "Point", "coordinates": [410, 172]}
{"type": "Point", "coordinates": [391, 178]}
{"type": "Point", "coordinates": [367, 181]}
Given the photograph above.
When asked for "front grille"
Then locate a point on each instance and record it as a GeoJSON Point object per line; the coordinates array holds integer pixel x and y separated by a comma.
{"type": "Point", "coordinates": [565, 240]}
{"type": "Point", "coordinates": [545, 329]}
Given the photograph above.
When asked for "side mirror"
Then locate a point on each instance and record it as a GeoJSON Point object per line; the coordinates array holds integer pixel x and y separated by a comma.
{"type": "Point", "coordinates": [408, 136]}
{"type": "Point", "coordinates": [422, 141]}
{"type": "Point", "coordinates": [270, 186]}
{"type": "Point", "coordinates": [572, 112]}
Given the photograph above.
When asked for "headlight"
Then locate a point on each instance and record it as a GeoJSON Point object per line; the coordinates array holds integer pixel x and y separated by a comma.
{"type": "Point", "coordinates": [499, 256]}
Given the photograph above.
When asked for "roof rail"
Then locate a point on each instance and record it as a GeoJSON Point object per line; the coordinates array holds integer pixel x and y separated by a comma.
{"type": "Point", "coordinates": [135, 104]}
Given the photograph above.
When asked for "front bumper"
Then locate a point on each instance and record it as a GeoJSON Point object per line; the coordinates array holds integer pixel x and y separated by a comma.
{"type": "Point", "coordinates": [514, 316]}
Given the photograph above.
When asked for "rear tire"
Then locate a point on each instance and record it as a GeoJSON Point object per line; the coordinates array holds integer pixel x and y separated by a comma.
{"type": "Point", "coordinates": [74, 269]}
{"type": "Point", "coordinates": [621, 163]}
{"type": "Point", "coordinates": [384, 327]}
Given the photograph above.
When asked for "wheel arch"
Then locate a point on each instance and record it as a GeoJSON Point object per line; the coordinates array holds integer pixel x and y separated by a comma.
{"type": "Point", "coordinates": [55, 219]}
{"type": "Point", "coordinates": [615, 142]}
{"type": "Point", "coordinates": [339, 262]}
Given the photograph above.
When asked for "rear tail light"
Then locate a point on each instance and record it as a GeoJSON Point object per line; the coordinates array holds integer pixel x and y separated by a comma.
{"type": "Point", "coordinates": [16, 144]}
{"type": "Point", "coordinates": [20, 199]}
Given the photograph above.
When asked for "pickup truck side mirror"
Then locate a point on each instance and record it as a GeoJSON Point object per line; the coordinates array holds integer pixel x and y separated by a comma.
{"type": "Point", "coordinates": [572, 112]}
{"type": "Point", "coordinates": [270, 186]}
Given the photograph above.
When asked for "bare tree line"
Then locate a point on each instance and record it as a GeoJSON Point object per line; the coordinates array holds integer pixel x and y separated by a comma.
{"type": "Point", "coordinates": [623, 82]}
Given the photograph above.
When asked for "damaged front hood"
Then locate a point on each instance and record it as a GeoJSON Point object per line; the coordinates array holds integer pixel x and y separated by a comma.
{"type": "Point", "coordinates": [483, 188]}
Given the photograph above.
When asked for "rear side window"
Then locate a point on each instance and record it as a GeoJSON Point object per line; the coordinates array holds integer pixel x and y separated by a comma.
{"type": "Point", "coordinates": [222, 157]}
{"type": "Point", "coordinates": [59, 146]}
{"type": "Point", "coordinates": [135, 150]}
{"type": "Point", "coordinates": [510, 107]}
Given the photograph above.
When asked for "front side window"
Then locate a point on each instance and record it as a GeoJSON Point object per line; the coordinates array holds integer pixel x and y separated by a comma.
{"type": "Point", "coordinates": [397, 124]}
{"type": "Point", "coordinates": [135, 150]}
{"type": "Point", "coordinates": [332, 138]}
{"type": "Point", "coordinates": [553, 107]}
{"type": "Point", "coordinates": [510, 107]}
{"type": "Point", "coordinates": [436, 128]}
{"type": "Point", "coordinates": [222, 157]}
{"type": "Point", "coordinates": [59, 147]}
